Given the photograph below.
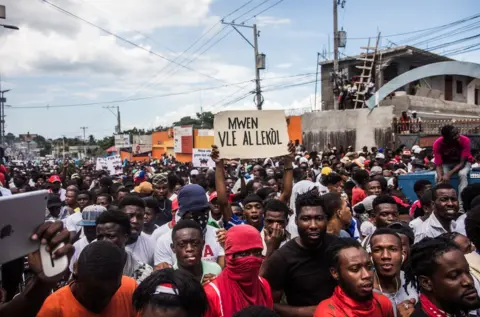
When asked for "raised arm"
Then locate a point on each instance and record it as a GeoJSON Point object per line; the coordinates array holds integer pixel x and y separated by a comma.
{"type": "Point", "coordinates": [222, 197]}
{"type": "Point", "coordinates": [288, 174]}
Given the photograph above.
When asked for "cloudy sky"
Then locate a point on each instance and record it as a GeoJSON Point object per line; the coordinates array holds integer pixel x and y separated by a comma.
{"type": "Point", "coordinates": [160, 60]}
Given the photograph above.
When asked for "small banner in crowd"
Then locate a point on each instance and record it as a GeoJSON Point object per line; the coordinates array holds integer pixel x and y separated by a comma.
{"type": "Point", "coordinates": [122, 141]}
{"type": "Point", "coordinates": [183, 139]}
{"type": "Point", "coordinates": [201, 158]}
{"type": "Point", "coordinates": [112, 164]}
{"type": "Point", "coordinates": [251, 134]}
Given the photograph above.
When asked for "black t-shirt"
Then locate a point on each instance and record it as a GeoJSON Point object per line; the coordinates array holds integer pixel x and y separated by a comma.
{"type": "Point", "coordinates": [302, 273]}
{"type": "Point", "coordinates": [165, 214]}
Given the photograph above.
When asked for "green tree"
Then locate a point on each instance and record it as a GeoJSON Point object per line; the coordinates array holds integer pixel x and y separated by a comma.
{"type": "Point", "coordinates": [91, 140]}
{"type": "Point", "coordinates": [202, 120]}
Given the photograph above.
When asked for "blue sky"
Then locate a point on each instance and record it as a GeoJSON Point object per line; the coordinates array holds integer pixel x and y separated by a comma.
{"type": "Point", "coordinates": [57, 60]}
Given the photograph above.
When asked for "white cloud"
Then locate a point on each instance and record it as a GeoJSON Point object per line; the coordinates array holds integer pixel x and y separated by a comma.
{"type": "Point", "coordinates": [284, 65]}
{"type": "Point", "coordinates": [270, 20]}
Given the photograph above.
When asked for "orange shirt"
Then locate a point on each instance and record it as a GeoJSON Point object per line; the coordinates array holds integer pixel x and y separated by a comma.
{"type": "Point", "coordinates": [62, 303]}
{"type": "Point", "coordinates": [358, 195]}
{"type": "Point", "coordinates": [328, 308]}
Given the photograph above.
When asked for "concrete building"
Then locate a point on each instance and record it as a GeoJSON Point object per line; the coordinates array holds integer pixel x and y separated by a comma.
{"type": "Point", "coordinates": [439, 97]}
{"type": "Point", "coordinates": [395, 61]}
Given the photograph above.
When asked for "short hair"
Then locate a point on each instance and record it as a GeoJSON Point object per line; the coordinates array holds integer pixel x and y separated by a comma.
{"type": "Point", "coordinates": [332, 179]}
{"type": "Point", "coordinates": [383, 199]}
{"type": "Point", "coordinates": [332, 202]}
{"type": "Point", "coordinates": [423, 258]}
{"type": "Point", "coordinates": [381, 180]}
{"type": "Point", "coordinates": [310, 198]}
{"type": "Point", "coordinates": [100, 260]}
{"type": "Point", "coordinates": [421, 184]}
{"type": "Point", "coordinates": [348, 185]}
{"type": "Point", "coordinates": [468, 194]}
{"type": "Point", "coordinates": [186, 224]}
{"type": "Point", "coordinates": [360, 176]}
{"type": "Point", "coordinates": [152, 203]}
{"type": "Point", "coordinates": [115, 216]}
{"type": "Point", "coordinates": [189, 293]}
{"type": "Point", "coordinates": [256, 311]}
{"type": "Point", "coordinates": [447, 130]}
{"type": "Point", "coordinates": [333, 250]}
{"type": "Point", "coordinates": [426, 198]}
{"type": "Point", "coordinates": [105, 182]}
{"type": "Point", "coordinates": [438, 187]}
{"type": "Point", "coordinates": [75, 190]}
{"type": "Point", "coordinates": [123, 190]}
{"type": "Point", "coordinates": [403, 228]}
{"type": "Point", "coordinates": [131, 200]}
{"type": "Point", "coordinates": [384, 231]}
{"type": "Point", "coordinates": [277, 205]}
{"type": "Point", "coordinates": [265, 192]}
{"type": "Point", "coordinates": [87, 193]}
{"type": "Point", "coordinates": [108, 196]}
{"type": "Point", "coordinates": [472, 226]}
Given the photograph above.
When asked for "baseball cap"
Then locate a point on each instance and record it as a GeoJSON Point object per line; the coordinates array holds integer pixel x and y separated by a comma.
{"type": "Point", "coordinates": [380, 156]}
{"type": "Point", "coordinates": [53, 200]}
{"type": "Point", "coordinates": [90, 215]}
{"type": "Point", "coordinates": [326, 171]}
{"type": "Point", "coordinates": [407, 153]}
{"type": "Point", "coordinates": [193, 172]}
{"type": "Point", "coordinates": [416, 149]}
{"type": "Point", "coordinates": [212, 196]}
{"type": "Point", "coordinates": [191, 198]}
{"type": "Point", "coordinates": [54, 179]}
{"type": "Point", "coordinates": [75, 176]}
{"type": "Point", "coordinates": [144, 188]}
{"type": "Point", "coordinates": [376, 170]}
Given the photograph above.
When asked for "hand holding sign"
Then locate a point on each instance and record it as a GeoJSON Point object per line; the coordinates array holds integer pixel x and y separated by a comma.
{"type": "Point", "coordinates": [251, 134]}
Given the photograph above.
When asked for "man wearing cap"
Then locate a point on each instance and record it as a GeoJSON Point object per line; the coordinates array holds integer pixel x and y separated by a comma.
{"type": "Point", "coordinates": [89, 228]}
{"type": "Point", "coordinates": [193, 205]}
{"type": "Point", "coordinates": [54, 209]}
{"type": "Point", "coordinates": [56, 186]}
{"type": "Point", "coordinates": [160, 193]}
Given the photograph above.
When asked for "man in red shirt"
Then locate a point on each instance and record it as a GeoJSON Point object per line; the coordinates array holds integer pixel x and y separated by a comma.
{"type": "Point", "coordinates": [452, 155]}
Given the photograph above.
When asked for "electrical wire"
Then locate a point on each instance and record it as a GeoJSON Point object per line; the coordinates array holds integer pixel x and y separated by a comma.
{"type": "Point", "coordinates": [128, 41]}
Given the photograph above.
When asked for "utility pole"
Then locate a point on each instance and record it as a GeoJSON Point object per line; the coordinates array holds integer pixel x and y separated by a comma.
{"type": "Point", "coordinates": [259, 58]}
{"type": "Point", "coordinates": [316, 82]}
{"type": "Point", "coordinates": [84, 148]}
{"type": "Point", "coordinates": [118, 128]}
{"type": "Point", "coordinates": [2, 114]}
{"type": "Point", "coordinates": [335, 54]}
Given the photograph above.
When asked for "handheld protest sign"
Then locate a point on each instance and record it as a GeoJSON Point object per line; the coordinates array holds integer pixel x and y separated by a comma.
{"type": "Point", "coordinates": [251, 134]}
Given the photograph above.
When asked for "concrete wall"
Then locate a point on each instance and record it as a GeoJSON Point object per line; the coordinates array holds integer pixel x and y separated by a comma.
{"type": "Point", "coordinates": [361, 127]}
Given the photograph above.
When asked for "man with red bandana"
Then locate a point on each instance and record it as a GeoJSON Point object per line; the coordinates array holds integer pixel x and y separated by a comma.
{"type": "Point", "coordinates": [239, 285]}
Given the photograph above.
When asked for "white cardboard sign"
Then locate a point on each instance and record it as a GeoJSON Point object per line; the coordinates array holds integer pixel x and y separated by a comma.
{"type": "Point", "coordinates": [201, 158]}
{"type": "Point", "coordinates": [251, 134]}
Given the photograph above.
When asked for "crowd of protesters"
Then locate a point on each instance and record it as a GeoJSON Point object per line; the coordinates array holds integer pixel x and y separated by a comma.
{"type": "Point", "coordinates": [308, 234]}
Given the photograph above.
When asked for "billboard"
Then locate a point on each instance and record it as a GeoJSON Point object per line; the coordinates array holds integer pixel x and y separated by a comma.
{"type": "Point", "coordinates": [122, 141]}
{"type": "Point", "coordinates": [183, 139]}
{"type": "Point", "coordinates": [141, 144]}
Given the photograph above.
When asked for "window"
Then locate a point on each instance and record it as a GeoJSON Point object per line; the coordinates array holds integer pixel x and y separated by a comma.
{"type": "Point", "coordinates": [477, 94]}
{"type": "Point", "coordinates": [459, 87]}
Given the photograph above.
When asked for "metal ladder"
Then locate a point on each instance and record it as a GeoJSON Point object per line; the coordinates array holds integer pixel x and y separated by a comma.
{"type": "Point", "coordinates": [368, 59]}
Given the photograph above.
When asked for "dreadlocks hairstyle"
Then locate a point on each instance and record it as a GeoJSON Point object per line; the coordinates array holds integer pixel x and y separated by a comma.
{"type": "Point", "coordinates": [170, 288]}
{"type": "Point", "coordinates": [333, 251]}
{"type": "Point", "coordinates": [308, 199]}
{"type": "Point", "coordinates": [423, 257]}
{"type": "Point", "coordinates": [256, 311]}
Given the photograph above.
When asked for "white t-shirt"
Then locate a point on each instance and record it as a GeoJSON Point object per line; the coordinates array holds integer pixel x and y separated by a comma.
{"type": "Point", "coordinates": [143, 248]}
{"type": "Point", "coordinates": [78, 246]}
{"type": "Point", "coordinates": [415, 224]}
{"type": "Point", "coordinates": [72, 222]}
{"type": "Point", "coordinates": [160, 231]}
{"type": "Point", "coordinates": [460, 224]}
{"type": "Point", "coordinates": [211, 251]}
{"type": "Point", "coordinates": [367, 228]}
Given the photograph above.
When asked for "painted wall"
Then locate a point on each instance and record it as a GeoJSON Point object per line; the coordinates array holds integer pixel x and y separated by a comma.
{"type": "Point", "coordinates": [295, 128]}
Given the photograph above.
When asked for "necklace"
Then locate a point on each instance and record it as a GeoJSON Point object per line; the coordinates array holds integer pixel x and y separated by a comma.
{"type": "Point", "coordinates": [394, 297]}
{"type": "Point", "coordinates": [164, 205]}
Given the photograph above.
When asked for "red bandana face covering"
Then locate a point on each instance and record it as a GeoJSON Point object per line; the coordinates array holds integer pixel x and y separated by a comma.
{"type": "Point", "coordinates": [433, 311]}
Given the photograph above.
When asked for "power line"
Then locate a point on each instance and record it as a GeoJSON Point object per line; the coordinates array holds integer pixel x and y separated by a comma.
{"type": "Point", "coordinates": [266, 9]}
{"type": "Point", "coordinates": [128, 41]}
{"type": "Point", "coordinates": [149, 83]}
{"type": "Point", "coordinates": [153, 96]}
